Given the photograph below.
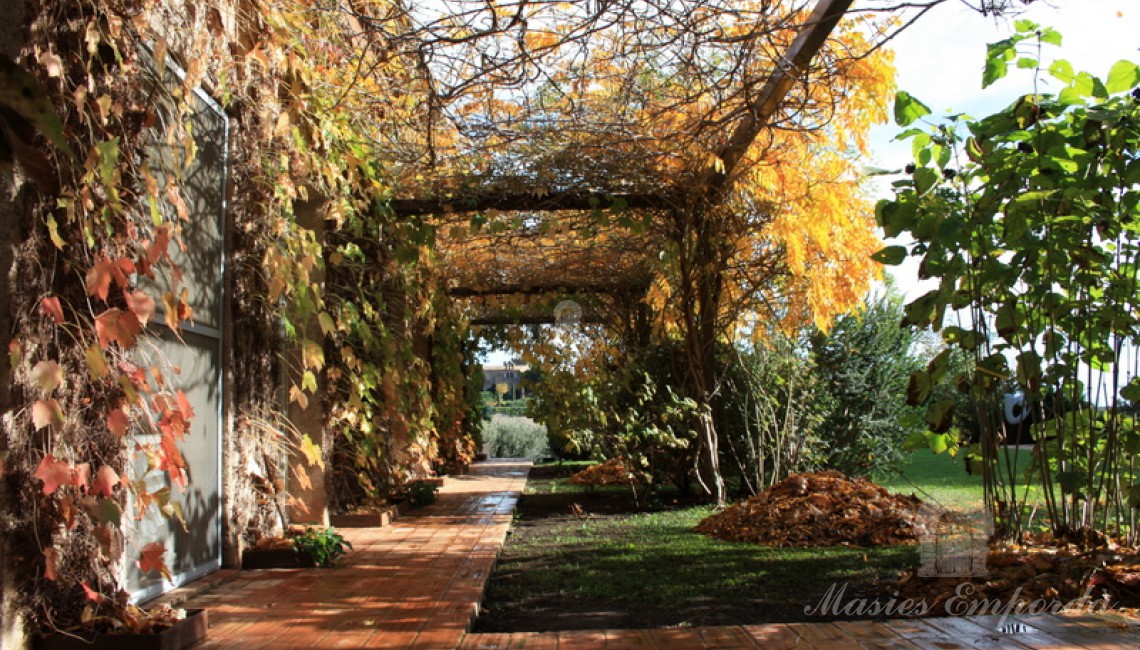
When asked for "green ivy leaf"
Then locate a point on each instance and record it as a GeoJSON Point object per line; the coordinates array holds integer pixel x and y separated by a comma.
{"type": "Point", "coordinates": [908, 108]}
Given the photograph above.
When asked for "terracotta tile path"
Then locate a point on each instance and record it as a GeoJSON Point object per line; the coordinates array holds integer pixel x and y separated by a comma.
{"type": "Point", "coordinates": [418, 582]}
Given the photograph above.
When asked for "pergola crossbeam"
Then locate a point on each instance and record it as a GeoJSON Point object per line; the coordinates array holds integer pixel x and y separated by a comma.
{"type": "Point", "coordinates": [530, 202]}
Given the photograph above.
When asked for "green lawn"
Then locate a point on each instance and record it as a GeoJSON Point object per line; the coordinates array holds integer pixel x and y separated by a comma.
{"type": "Point", "coordinates": [937, 478]}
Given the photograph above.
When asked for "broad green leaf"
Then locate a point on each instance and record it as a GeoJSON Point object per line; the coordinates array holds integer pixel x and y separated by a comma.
{"type": "Point", "coordinates": [939, 365]}
{"type": "Point", "coordinates": [108, 161]}
{"type": "Point", "coordinates": [891, 255]}
{"type": "Point", "coordinates": [1062, 71]}
{"type": "Point", "coordinates": [22, 92]}
{"type": "Point", "coordinates": [939, 418]}
{"type": "Point", "coordinates": [908, 108]}
{"type": "Point", "coordinates": [326, 323]}
{"type": "Point", "coordinates": [997, 61]}
{"type": "Point", "coordinates": [1051, 36]}
{"type": "Point", "coordinates": [1123, 76]}
{"type": "Point", "coordinates": [1131, 392]}
{"type": "Point", "coordinates": [918, 388]}
{"type": "Point", "coordinates": [939, 443]}
{"type": "Point", "coordinates": [925, 178]}
{"type": "Point", "coordinates": [309, 382]}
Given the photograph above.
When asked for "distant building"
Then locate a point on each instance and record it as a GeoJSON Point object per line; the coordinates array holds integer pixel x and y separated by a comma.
{"type": "Point", "coordinates": [510, 374]}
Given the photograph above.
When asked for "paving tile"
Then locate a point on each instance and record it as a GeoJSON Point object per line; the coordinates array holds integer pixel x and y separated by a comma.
{"type": "Point", "coordinates": [726, 637]}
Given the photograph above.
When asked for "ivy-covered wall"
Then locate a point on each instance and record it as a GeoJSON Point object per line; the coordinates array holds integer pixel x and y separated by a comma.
{"type": "Point", "coordinates": [90, 239]}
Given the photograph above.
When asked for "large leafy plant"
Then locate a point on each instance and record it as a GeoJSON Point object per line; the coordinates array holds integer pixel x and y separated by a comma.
{"type": "Point", "coordinates": [1027, 219]}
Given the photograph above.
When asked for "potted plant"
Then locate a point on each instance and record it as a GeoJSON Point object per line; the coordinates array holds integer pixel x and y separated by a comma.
{"type": "Point", "coordinates": [117, 624]}
{"type": "Point", "coordinates": [300, 548]}
{"type": "Point", "coordinates": [423, 493]}
{"type": "Point", "coordinates": [372, 513]}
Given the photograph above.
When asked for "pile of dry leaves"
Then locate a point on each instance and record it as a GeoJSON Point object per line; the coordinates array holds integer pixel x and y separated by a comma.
{"type": "Point", "coordinates": [612, 472]}
{"type": "Point", "coordinates": [820, 509]}
{"type": "Point", "coordinates": [1041, 572]}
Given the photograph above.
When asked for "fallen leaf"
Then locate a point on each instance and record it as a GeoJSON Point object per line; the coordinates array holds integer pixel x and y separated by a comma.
{"type": "Point", "coordinates": [46, 412]}
{"type": "Point", "coordinates": [50, 307]}
{"type": "Point", "coordinates": [47, 375]}
{"type": "Point", "coordinates": [51, 558]}
{"type": "Point", "coordinates": [53, 473]}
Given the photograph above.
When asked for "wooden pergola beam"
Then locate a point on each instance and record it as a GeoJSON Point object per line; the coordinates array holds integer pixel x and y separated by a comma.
{"type": "Point", "coordinates": [541, 289]}
{"type": "Point", "coordinates": [530, 202]}
{"type": "Point", "coordinates": [790, 68]}
{"type": "Point", "coordinates": [529, 319]}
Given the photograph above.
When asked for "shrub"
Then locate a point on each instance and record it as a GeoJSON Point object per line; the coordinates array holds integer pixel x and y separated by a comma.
{"type": "Point", "coordinates": [515, 437]}
{"type": "Point", "coordinates": [422, 493]}
{"type": "Point", "coordinates": [324, 545]}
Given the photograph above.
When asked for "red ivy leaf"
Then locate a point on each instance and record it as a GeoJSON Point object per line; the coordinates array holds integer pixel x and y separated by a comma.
{"type": "Point", "coordinates": [50, 307]}
{"type": "Point", "coordinates": [117, 422]}
{"type": "Point", "coordinates": [53, 473]}
{"type": "Point", "coordinates": [99, 278]}
{"type": "Point", "coordinates": [184, 406]}
{"type": "Point", "coordinates": [120, 269]}
{"type": "Point", "coordinates": [81, 475]}
{"type": "Point", "coordinates": [157, 249]}
{"type": "Point", "coordinates": [105, 481]}
{"type": "Point", "coordinates": [117, 326]}
{"type": "Point", "coordinates": [46, 412]}
{"type": "Point", "coordinates": [48, 375]}
{"type": "Point", "coordinates": [150, 559]}
{"type": "Point", "coordinates": [92, 595]}
{"type": "Point", "coordinates": [51, 558]}
{"type": "Point", "coordinates": [141, 304]}
{"type": "Point", "coordinates": [171, 461]}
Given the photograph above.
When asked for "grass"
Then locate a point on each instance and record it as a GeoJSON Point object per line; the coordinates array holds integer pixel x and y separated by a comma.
{"type": "Point", "coordinates": [939, 479]}
{"type": "Point", "coordinates": [656, 560]}
{"type": "Point", "coordinates": [652, 569]}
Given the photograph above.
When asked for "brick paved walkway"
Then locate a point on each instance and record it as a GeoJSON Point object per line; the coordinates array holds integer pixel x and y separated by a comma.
{"type": "Point", "coordinates": [417, 584]}
{"type": "Point", "coordinates": [414, 584]}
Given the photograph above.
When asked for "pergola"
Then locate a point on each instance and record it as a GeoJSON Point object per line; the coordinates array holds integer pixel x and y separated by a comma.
{"type": "Point", "coordinates": [595, 243]}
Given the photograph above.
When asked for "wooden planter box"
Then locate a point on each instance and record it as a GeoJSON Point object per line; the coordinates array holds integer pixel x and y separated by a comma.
{"type": "Point", "coordinates": [374, 519]}
{"type": "Point", "coordinates": [275, 558]}
{"type": "Point", "coordinates": [183, 634]}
